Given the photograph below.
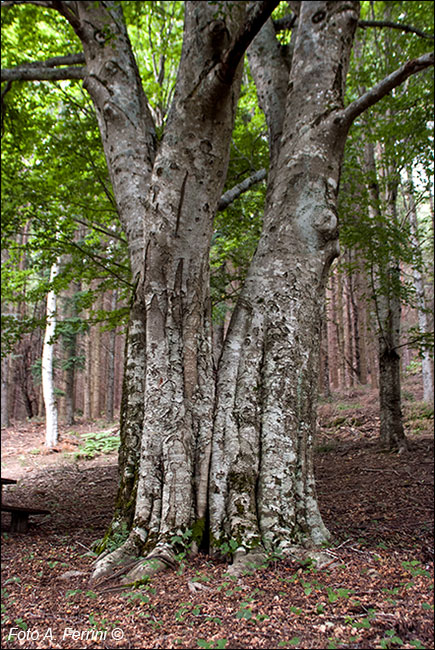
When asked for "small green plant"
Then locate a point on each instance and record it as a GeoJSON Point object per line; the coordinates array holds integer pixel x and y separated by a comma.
{"type": "Point", "coordinates": [390, 639]}
{"type": "Point", "coordinates": [415, 569]}
{"type": "Point", "coordinates": [21, 623]}
{"type": "Point", "coordinates": [295, 641]}
{"type": "Point", "coordinates": [244, 611]}
{"type": "Point", "coordinates": [216, 643]}
{"type": "Point", "coordinates": [97, 624]}
{"type": "Point", "coordinates": [414, 367]}
{"type": "Point", "coordinates": [416, 643]}
{"type": "Point", "coordinates": [137, 595]}
{"type": "Point", "coordinates": [333, 596]}
{"type": "Point", "coordinates": [228, 548]}
{"type": "Point", "coordinates": [182, 542]}
{"type": "Point", "coordinates": [308, 588]}
{"type": "Point", "coordinates": [100, 442]}
{"type": "Point", "coordinates": [111, 541]}
{"type": "Point", "coordinates": [320, 608]}
{"type": "Point", "coordinates": [214, 619]}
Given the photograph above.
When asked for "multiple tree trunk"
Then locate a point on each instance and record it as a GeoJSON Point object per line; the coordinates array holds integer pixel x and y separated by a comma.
{"type": "Point", "coordinates": [224, 453]}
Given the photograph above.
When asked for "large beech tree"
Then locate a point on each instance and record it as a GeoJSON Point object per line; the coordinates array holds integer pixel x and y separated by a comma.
{"type": "Point", "coordinates": [220, 455]}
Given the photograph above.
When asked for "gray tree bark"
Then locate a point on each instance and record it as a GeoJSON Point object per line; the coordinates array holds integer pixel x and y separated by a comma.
{"type": "Point", "coordinates": [262, 489]}
{"type": "Point", "coordinates": [256, 423]}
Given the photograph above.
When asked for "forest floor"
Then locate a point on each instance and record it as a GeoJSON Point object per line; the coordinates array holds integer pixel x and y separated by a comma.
{"type": "Point", "coordinates": [377, 591]}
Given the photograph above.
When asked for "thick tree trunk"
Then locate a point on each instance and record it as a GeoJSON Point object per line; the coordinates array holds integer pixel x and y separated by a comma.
{"type": "Point", "coordinates": [261, 481]}
{"type": "Point", "coordinates": [164, 478]}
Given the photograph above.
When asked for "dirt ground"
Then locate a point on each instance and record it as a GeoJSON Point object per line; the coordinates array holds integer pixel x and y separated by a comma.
{"type": "Point", "coordinates": [377, 591]}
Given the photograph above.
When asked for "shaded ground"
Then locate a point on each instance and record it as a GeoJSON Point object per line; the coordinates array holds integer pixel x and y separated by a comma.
{"type": "Point", "coordinates": [376, 593]}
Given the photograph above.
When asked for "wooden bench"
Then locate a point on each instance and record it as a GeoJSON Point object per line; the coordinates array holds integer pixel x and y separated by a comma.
{"type": "Point", "coordinates": [20, 516]}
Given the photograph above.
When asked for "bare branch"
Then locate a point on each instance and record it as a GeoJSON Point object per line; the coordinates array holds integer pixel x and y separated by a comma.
{"type": "Point", "coordinates": [234, 193]}
{"type": "Point", "coordinates": [40, 70]}
{"type": "Point", "coordinates": [41, 3]}
{"type": "Point", "coordinates": [68, 59]}
{"type": "Point", "coordinates": [387, 23]}
{"type": "Point", "coordinates": [288, 22]}
{"type": "Point", "coordinates": [32, 73]}
{"type": "Point", "coordinates": [257, 15]}
{"type": "Point", "coordinates": [371, 97]}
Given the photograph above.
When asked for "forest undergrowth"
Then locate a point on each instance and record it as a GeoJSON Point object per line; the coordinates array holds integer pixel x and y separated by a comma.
{"type": "Point", "coordinates": [377, 591]}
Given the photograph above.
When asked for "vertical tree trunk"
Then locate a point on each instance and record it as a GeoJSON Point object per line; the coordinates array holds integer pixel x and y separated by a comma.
{"type": "Point", "coordinates": [261, 481]}
{"type": "Point", "coordinates": [170, 320]}
{"type": "Point", "coordinates": [87, 414]}
{"type": "Point", "coordinates": [426, 362]}
{"type": "Point", "coordinates": [360, 325]}
{"type": "Point", "coordinates": [388, 313]}
{"type": "Point", "coordinates": [96, 374]}
{"type": "Point", "coordinates": [392, 434]}
{"type": "Point", "coordinates": [110, 383]}
{"type": "Point", "coordinates": [350, 356]}
{"type": "Point", "coordinates": [344, 370]}
{"type": "Point", "coordinates": [70, 347]}
{"type": "Point", "coordinates": [51, 428]}
{"type": "Point", "coordinates": [324, 384]}
{"type": "Point", "coordinates": [332, 334]}
{"type": "Point", "coordinates": [5, 392]}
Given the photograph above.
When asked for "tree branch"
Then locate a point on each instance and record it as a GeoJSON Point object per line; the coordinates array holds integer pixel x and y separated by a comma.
{"type": "Point", "coordinates": [67, 59]}
{"type": "Point", "coordinates": [387, 23]}
{"type": "Point", "coordinates": [371, 97]}
{"type": "Point", "coordinates": [288, 22]}
{"type": "Point", "coordinates": [32, 73]}
{"type": "Point", "coordinates": [258, 13]}
{"type": "Point", "coordinates": [41, 3]}
{"type": "Point", "coordinates": [28, 71]}
{"type": "Point", "coordinates": [231, 195]}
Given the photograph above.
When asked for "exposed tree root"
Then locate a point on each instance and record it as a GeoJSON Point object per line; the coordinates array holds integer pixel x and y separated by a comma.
{"type": "Point", "coordinates": [123, 567]}
{"type": "Point", "coordinates": [247, 561]}
{"type": "Point", "coordinates": [157, 561]}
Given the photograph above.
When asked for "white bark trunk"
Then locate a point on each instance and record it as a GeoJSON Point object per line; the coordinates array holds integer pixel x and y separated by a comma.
{"type": "Point", "coordinates": [51, 428]}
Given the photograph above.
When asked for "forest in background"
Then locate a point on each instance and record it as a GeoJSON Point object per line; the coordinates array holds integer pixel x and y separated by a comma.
{"type": "Point", "coordinates": [58, 211]}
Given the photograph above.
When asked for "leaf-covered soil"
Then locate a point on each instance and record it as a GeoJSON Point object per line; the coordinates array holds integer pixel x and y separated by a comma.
{"type": "Point", "coordinates": [377, 591]}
